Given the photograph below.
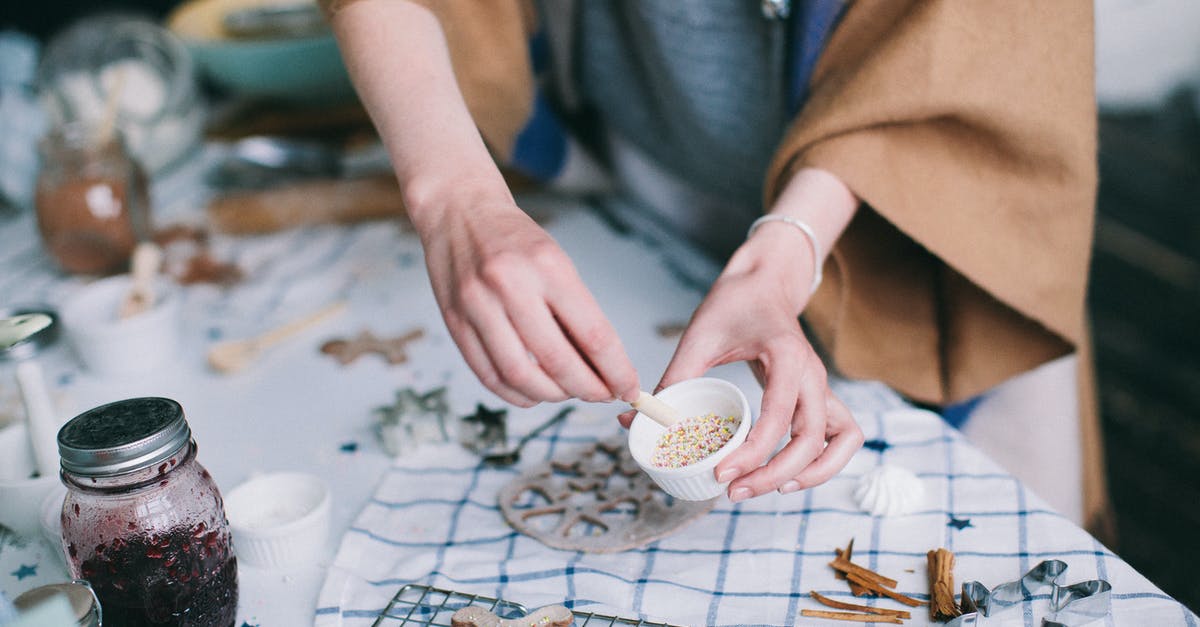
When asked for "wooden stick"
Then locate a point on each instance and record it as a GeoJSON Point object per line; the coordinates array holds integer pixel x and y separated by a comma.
{"type": "Point", "coordinates": [854, 569]}
{"type": "Point", "coordinates": [874, 586]}
{"type": "Point", "coordinates": [841, 605]}
{"type": "Point", "coordinates": [940, 567]}
{"type": "Point", "coordinates": [850, 616]}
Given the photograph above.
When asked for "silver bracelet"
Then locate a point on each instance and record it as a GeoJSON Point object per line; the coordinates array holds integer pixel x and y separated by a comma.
{"type": "Point", "coordinates": [808, 232]}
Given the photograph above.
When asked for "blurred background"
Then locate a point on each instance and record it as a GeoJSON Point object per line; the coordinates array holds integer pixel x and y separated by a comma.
{"type": "Point", "coordinates": [1145, 294]}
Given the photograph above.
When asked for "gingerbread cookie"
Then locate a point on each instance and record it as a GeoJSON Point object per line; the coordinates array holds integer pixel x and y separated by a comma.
{"type": "Point", "coordinates": [549, 616]}
{"type": "Point", "coordinates": [594, 499]}
{"type": "Point", "coordinates": [393, 350]}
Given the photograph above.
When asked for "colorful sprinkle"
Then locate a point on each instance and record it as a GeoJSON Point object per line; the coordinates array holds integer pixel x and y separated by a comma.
{"type": "Point", "coordinates": [692, 439]}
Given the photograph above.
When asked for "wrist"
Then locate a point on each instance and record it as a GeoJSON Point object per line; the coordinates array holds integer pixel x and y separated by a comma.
{"type": "Point", "coordinates": [434, 202]}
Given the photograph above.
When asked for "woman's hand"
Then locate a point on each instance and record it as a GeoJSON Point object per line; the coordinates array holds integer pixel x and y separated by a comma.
{"type": "Point", "coordinates": [751, 314]}
{"type": "Point", "coordinates": [518, 311]}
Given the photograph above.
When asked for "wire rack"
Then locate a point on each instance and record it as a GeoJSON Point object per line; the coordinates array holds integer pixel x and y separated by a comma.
{"type": "Point", "coordinates": [421, 605]}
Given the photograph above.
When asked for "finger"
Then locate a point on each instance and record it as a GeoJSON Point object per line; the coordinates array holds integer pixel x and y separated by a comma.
{"type": "Point", "coordinates": [807, 440]}
{"type": "Point", "coordinates": [555, 354]}
{"type": "Point", "coordinates": [477, 359]}
{"type": "Point", "coordinates": [507, 352]}
{"type": "Point", "coordinates": [845, 439]}
{"type": "Point", "coordinates": [593, 336]}
{"type": "Point", "coordinates": [778, 406]}
{"type": "Point", "coordinates": [691, 359]}
{"type": "Point", "coordinates": [626, 418]}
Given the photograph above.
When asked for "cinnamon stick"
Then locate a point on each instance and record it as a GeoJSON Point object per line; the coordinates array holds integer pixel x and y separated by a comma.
{"type": "Point", "coordinates": [850, 616]}
{"type": "Point", "coordinates": [851, 568]}
{"type": "Point", "coordinates": [841, 605]}
{"type": "Point", "coordinates": [875, 587]}
{"type": "Point", "coordinates": [940, 566]}
{"type": "Point", "coordinates": [855, 589]}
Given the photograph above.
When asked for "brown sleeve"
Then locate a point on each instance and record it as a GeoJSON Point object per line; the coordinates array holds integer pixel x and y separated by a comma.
{"type": "Point", "coordinates": [968, 129]}
{"type": "Point", "coordinates": [489, 50]}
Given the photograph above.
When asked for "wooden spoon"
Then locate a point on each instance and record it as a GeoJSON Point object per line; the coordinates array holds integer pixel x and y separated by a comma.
{"type": "Point", "coordinates": [655, 409]}
{"type": "Point", "coordinates": [234, 355]}
{"type": "Point", "coordinates": [146, 260]}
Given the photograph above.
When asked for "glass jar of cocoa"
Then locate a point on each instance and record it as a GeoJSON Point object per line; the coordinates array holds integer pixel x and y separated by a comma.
{"type": "Point", "coordinates": [143, 522]}
{"type": "Point", "coordinates": [91, 200]}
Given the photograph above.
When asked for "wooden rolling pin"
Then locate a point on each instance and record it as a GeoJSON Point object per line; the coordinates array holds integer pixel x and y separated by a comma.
{"type": "Point", "coordinates": [322, 201]}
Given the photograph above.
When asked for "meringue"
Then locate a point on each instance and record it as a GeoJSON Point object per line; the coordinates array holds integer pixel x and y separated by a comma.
{"type": "Point", "coordinates": [889, 491]}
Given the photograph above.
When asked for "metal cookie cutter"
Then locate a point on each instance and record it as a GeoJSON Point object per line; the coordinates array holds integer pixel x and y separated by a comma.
{"type": "Point", "coordinates": [1070, 606]}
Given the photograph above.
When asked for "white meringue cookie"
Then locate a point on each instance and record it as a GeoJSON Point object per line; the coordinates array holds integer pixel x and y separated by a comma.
{"type": "Point", "coordinates": [890, 491]}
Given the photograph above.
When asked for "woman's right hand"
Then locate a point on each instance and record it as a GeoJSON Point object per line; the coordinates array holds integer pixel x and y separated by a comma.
{"type": "Point", "coordinates": [519, 312]}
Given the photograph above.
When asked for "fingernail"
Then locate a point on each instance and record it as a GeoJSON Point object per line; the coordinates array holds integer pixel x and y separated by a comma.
{"type": "Point", "coordinates": [790, 486]}
{"type": "Point", "coordinates": [739, 494]}
{"type": "Point", "coordinates": [729, 474]}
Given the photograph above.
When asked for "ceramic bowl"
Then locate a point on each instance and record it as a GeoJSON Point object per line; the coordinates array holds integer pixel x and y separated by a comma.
{"type": "Point", "coordinates": [109, 346]}
{"type": "Point", "coordinates": [280, 519]}
{"type": "Point", "coordinates": [694, 397]}
{"type": "Point", "coordinates": [296, 69]}
{"type": "Point", "coordinates": [20, 495]}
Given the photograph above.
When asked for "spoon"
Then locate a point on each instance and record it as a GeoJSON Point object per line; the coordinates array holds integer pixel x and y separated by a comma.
{"type": "Point", "coordinates": [235, 355]}
{"type": "Point", "coordinates": [655, 409]}
{"type": "Point", "coordinates": [39, 410]}
{"type": "Point", "coordinates": [146, 259]}
{"type": "Point", "coordinates": [508, 458]}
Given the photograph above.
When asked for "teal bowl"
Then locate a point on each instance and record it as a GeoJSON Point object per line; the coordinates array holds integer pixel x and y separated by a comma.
{"type": "Point", "coordinates": [302, 70]}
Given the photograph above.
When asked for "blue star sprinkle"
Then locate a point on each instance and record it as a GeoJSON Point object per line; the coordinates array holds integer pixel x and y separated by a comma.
{"type": "Point", "coordinates": [349, 447]}
{"type": "Point", "coordinates": [878, 446]}
{"type": "Point", "coordinates": [959, 523]}
{"type": "Point", "coordinates": [26, 570]}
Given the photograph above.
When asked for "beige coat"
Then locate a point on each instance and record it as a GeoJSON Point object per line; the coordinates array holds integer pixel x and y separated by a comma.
{"type": "Point", "coordinates": [969, 131]}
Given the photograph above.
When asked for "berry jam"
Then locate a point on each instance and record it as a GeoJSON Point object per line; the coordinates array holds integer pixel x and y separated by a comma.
{"type": "Point", "coordinates": [182, 578]}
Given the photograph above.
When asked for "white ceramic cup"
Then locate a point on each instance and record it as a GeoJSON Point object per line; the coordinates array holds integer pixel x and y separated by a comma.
{"type": "Point", "coordinates": [694, 397]}
{"type": "Point", "coordinates": [279, 519]}
{"type": "Point", "coordinates": [21, 496]}
{"type": "Point", "coordinates": [110, 346]}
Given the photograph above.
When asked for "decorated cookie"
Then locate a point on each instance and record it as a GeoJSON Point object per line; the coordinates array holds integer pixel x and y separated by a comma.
{"type": "Point", "coordinates": [594, 499]}
{"type": "Point", "coordinates": [393, 350]}
{"type": "Point", "coordinates": [549, 616]}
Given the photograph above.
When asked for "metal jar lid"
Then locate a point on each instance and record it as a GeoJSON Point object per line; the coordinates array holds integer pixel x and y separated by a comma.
{"type": "Point", "coordinates": [79, 595]}
{"type": "Point", "coordinates": [122, 437]}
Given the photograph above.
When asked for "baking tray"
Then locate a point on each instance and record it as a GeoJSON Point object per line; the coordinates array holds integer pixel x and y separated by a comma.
{"type": "Point", "coordinates": [421, 605]}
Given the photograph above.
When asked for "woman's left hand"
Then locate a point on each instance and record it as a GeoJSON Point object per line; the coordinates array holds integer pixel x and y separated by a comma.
{"type": "Point", "coordinates": [751, 314]}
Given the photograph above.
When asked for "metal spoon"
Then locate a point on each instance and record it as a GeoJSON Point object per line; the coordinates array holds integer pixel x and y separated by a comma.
{"type": "Point", "coordinates": [508, 458]}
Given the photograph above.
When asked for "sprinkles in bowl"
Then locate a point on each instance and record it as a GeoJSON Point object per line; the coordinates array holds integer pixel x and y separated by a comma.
{"type": "Point", "coordinates": [692, 439]}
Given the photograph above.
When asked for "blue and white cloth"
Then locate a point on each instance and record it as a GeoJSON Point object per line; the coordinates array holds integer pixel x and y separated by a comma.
{"type": "Point", "coordinates": [434, 520]}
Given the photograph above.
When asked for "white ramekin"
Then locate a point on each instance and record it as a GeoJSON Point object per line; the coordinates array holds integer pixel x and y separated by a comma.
{"type": "Point", "coordinates": [279, 519]}
{"type": "Point", "coordinates": [110, 346]}
{"type": "Point", "coordinates": [694, 397]}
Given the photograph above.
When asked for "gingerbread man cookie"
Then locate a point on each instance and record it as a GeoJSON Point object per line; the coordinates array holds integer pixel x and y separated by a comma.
{"type": "Point", "coordinates": [549, 616]}
{"type": "Point", "coordinates": [393, 350]}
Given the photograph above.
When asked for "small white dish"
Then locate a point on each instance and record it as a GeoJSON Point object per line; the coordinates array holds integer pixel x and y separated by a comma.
{"type": "Point", "coordinates": [279, 519]}
{"type": "Point", "coordinates": [22, 504]}
{"type": "Point", "coordinates": [694, 397]}
{"type": "Point", "coordinates": [111, 346]}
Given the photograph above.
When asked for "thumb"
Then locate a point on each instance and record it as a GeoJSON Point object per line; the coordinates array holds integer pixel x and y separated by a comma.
{"type": "Point", "coordinates": [690, 360]}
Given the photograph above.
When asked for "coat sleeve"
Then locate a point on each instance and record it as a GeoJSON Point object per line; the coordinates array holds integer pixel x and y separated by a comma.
{"type": "Point", "coordinates": [968, 129]}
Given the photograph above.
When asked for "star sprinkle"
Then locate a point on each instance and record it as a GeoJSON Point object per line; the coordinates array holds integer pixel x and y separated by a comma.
{"type": "Point", "coordinates": [393, 350]}
{"type": "Point", "coordinates": [26, 570]}
{"type": "Point", "coordinates": [959, 523]}
{"type": "Point", "coordinates": [878, 446]}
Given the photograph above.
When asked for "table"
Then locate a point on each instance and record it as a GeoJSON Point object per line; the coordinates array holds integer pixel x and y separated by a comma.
{"type": "Point", "coordinates": [431, 517]}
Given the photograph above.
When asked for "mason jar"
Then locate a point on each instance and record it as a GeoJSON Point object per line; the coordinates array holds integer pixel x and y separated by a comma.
{"type": "Point", "coordinates": [91, 200]}
{"type": "Point", "coordinates": [143, 521]}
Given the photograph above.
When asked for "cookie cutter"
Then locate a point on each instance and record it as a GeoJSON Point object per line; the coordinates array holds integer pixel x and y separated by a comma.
{"type": "Point", "coordinates": [1070, 606]}
{"type": "Point", "coordinates": [413, 419]}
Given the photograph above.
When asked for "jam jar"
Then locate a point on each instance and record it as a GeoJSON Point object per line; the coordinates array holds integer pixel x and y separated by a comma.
{"type": "Point", "coordinates": [91, 200]}
{"type": "Point", "coordinates": [143, 521]}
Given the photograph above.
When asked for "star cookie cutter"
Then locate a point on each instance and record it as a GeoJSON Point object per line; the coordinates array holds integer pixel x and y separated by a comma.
{"type": "Point", "coordinates": [414, 419]}
{"type": "Point", "coordinates": [1070, 606]}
